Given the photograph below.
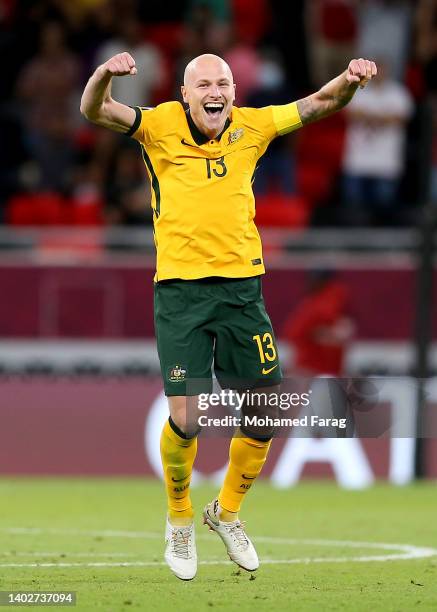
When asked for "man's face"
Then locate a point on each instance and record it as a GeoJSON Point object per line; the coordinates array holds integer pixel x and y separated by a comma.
{"type": "Point", "coordinates": [209, 91]}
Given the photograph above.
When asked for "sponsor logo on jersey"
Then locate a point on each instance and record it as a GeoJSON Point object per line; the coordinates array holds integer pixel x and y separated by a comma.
{"type": "Point", "coordinates": [235, 135]}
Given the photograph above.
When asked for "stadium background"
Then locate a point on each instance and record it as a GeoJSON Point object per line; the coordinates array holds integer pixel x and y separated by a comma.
{"type": "Point", "coordinates": [79, 378]}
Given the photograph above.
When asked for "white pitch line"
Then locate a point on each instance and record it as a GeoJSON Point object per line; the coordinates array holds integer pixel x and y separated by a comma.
{"type": "Point", "coordinates": [105, 533]}
{"type": "Point", "coordinates": [110, 533]}
{"type": "Point", "coordinates": [66, 554]}
{"type": "Point", "coordinates": [304, 560]}
{"type": "Point", "coordinates": [404, 551]}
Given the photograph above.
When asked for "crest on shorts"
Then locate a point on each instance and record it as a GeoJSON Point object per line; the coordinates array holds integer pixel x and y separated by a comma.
{"type": "Point", "coordinates": [235, 135]}
{"type": "Point", "coordinates": [177, 374]}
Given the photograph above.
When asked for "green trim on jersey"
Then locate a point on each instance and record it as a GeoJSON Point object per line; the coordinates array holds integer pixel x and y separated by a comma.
{"type": "Point", "coordinates": [155, 182]}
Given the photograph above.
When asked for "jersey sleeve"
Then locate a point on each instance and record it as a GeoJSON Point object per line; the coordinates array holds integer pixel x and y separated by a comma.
{"type": "Point", "coordinates": [286, 118]}
{"type": "Point", "coordinates": [145, 124]}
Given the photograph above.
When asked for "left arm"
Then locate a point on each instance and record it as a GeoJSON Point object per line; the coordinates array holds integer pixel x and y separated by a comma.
{"type": "Point", "coordinates": [337, 93]}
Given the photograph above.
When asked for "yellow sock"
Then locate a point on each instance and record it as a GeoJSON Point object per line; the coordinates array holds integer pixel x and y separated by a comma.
{"type": "Point", "coordinates": [246, 459]}
{"type": "Point", "coordinates": [177, 454]}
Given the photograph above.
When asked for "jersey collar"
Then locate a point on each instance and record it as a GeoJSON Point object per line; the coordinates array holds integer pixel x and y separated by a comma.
{"type": "Point", "coordinates": [198, 137]}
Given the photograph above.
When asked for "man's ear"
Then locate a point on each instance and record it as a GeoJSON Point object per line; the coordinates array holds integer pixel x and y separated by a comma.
{"type": "Point", "coordinates": [184, 93]}
{"type": "Point", "coordinates": [233, 99]}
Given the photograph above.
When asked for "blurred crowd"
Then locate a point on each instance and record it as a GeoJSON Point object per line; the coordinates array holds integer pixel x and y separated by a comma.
{"type": "Point", "coordinates": [363, 166]}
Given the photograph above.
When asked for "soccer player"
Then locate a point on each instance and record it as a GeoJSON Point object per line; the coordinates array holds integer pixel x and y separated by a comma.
{"type": "Point", "coordinates": [208, 301]}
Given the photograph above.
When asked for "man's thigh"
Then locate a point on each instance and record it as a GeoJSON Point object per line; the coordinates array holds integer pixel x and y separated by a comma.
{"type": "Point", "coordinates": [185, 347]}
{"type": "Point", "coordinates": [246, 355]}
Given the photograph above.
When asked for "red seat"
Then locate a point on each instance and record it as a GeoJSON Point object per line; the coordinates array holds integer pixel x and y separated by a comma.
{"type": "Point", "coordinates": [279, 210]}
{"type": "Point", "coordinates": [87, 214]}
{"type": "Point", "coordinates": [319, 156]}
{"type": "Point", "coordinates": [166, 36]}
{"type": "Point", "coordinates": [43, 208]}
{"type": "Point", "coordinates": [322, 143]}
{"type": "Point", "coordinates": [314, 181]}
{"type": "Point", "coordinates": [338, 21]}
{"type": "Point", "coordinates": [251, 18]}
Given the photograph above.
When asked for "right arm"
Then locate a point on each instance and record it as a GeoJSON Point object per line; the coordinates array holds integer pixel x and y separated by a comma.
{"type": "Point", "coordinates": [333, 96]}
{"type": "Point", "coordinates": [98, 106]}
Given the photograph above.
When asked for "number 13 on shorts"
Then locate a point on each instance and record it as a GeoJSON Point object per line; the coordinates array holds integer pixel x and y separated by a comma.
{"type": "Point", "coordinates": [266, 347]}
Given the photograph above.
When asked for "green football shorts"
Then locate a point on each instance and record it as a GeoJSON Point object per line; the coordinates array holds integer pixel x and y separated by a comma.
{"type": "Point", "coordinates": [214, 320]}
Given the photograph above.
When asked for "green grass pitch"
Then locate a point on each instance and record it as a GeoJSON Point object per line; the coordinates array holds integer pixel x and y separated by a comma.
{"type": "Point", "coordinates": [323, 548]}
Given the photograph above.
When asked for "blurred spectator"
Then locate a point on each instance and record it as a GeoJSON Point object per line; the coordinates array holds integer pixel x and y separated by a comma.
{"type": "Point", "coordinates": [204, 32]}
{"type": "Point", "coordinates": [46, 131]}
{"type": "Point", "coordinates": [128, 192]}
{"type": "Point", "coordinates": [331, 35]}
{"type": "Point", "coordinates": [426, 41]}
{"type": "Point", "coordinates": [277, 166]}
{"type": "Point", "coordinates": [75, 13]}
{"type": "Point", "coordinates": [245, 64]}
{"type": "Point", "coordinates": [87, 195]}
{"type": "Point", "coordinates": [47, 87]}
{"type": "Point", "coordinates": [384, 30]}
{"type": "Point", "coordinates": [252, 19]}
{"type": "Point", "coordinates": [91, 23]}
{"type": "Point", "coordinates": [319, 329]}
{"type": "Point", "coordinates": [289, 38]}
{"type": "Point", "coordinates": [136, 91]}
{"type": "Point", "coordinates": [219, 10]}
{"type": "Point", "coordinates": [426, 54]}
{"type": "Point", "coordinates": [12, 154]}
{"type": "Point", "coordinates": [373, 160]}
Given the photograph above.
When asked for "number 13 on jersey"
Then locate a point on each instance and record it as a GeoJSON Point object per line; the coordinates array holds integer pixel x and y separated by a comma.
{"type": "Point", "coordinates": [266, 347]}
{"type": "Point", "coordinates": [219, 168]}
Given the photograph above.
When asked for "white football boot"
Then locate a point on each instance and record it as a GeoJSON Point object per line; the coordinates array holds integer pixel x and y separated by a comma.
{"type": "Point", "coordinates": [180, 553]}
{"type": "Point", "coordinates": [240, 549]}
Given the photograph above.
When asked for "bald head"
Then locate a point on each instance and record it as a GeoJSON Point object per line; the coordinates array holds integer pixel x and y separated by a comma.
{"type": "Point", "coordinates": [209, 91]}
{"type": "Point", "coordinates": [205, 64]}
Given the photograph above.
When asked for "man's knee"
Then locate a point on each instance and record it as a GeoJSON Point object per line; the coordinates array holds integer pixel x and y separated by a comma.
{"type": "Point", "coordinates": [260, 412]}
{"type": "Point", "coordinates": [184, 414]}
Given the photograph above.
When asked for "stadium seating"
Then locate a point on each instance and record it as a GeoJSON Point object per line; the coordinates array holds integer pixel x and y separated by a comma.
{"type": "Point", "coordinates": [280, 210]}
{"type": "Point", "coordinates": [50, 209]}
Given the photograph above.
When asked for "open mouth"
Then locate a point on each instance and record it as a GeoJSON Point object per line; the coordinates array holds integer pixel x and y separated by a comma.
{"type": "Point", "coordinates": [213, 109]}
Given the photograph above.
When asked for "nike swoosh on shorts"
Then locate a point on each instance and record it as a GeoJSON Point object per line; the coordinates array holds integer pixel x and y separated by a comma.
{"type": "Point", "coordinates": [264, 371]}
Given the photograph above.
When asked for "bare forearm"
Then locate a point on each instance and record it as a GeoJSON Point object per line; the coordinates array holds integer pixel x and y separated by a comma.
{"type": "Point", "coordinates": [97, 91]}
{"type": "Point", "coordinates": [329, 99]}
{"type": "Point", "coordinates": [97, 103]}
{"type": "Point", "coordinates": [337, 93]}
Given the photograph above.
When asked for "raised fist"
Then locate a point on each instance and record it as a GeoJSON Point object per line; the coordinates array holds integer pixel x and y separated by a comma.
{"type": "Point", "coordinates": [361, 71]}
{"type": "Point", "coordinates": [120, 65]}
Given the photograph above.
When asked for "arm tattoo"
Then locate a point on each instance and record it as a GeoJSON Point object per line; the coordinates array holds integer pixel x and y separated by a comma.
{"type": "Point", "coordinates": [326, 101]}
{"type": "Point", "coordinates": [306, 109]}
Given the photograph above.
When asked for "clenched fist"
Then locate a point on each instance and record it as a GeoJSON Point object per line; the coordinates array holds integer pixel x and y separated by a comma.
{"type": "Point", "coordinates": [361, 71]}
{"type": "Point", "coordinates": [120, 65]}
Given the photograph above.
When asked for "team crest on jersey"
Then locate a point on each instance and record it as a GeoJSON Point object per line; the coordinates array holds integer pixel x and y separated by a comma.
{"type": "Point", "coordinates": [235, 135]}
{"type": "Point", "coordinates": [177, 374]}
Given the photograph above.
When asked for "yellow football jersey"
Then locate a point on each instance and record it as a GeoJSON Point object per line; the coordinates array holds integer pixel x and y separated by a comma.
{"type": "Point", "coordinates": [202, 199]}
